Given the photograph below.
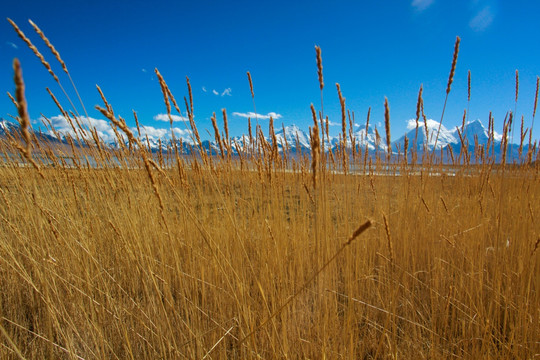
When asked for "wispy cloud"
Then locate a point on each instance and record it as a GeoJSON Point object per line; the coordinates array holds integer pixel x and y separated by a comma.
{"type": "Point", "coordinates": [12, 45]}
{"type": "Point", "coordinates": [203, 89]}
{"type": "Point", "coordinates": [482, 19]}
{"type": "Point", "coordinates": [331, 123]}
{"type": "Point", "coordinates": [144, 70]}
{"type": "Point", "coordinates": [226, 92]}
{"type": "Point", "coordinates": [421, 5]}
{"type": "Point", "coordinates": [253, 115]}
{"type": "Point", "coordinates": [165, 117]}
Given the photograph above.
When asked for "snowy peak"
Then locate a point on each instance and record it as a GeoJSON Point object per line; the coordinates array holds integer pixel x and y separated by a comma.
{"type": "Point", "coordinates": [368, 138]}
{"type": "Point", "coordinates": [474, 129]}
{"type": "Point", "coordinates": [445, 137]}
{"type": "Point", "coordinates": [7, 126]}
{"type": "Point", "coordinates": [291, 134]}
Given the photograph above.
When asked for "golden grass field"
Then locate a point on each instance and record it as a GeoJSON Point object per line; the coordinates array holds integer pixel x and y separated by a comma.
{"type": "Point", "coordinates": [262, 255]}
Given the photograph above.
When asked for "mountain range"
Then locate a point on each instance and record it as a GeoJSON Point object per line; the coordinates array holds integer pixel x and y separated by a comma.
{"type": "Point", "coordinates": [297, 140]}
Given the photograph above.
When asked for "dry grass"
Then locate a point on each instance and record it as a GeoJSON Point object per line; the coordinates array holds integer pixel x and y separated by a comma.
{"type": "Point", "coordinates": [182, 256]}
{"type": "Point", "coordinates": [89, 263]}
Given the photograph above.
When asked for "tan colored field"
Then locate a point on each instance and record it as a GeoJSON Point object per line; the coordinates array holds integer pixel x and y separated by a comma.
{"type": "Point", "coordinates": [263, 255]}
{"type": "Point", "coordinates": [90, 267]}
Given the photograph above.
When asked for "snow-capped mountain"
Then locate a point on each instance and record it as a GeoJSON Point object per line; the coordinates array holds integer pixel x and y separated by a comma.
{"type": "Point", "coordinates": [291, 134]}
{"type": "Point", "coordinates": [14, 128]}
{"type": "Point", "coordinates": [368, 138]}
{"type": "Point", "coordinates": [475, 129]}
{"type": "Point", "coordinates": [7, 126]}
{"type": "Point", "coordinates": [446, 136]}
{"type": "Point", "coordinates": [473, 132]}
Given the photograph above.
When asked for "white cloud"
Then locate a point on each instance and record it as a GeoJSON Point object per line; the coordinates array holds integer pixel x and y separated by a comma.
{"type": "Point", "coordinates": [431, 124]}
{"type": "Point", "coordinates": [253, 115]}
{"type": "Point", "coordinates": [482, 19]}
{"type": "Point", "coordinates": [203, 89]}
{"type": "Point", "coordinates": [185, 134]}
{"type": "Point", "coordinates": [331, 123]}
{"type": "Point", "coordinates": [12, 45]}
{"type": "Point", "coordinates": [165, 117]}
{"type": "Point", "coordinates": [421, 5]}
{"type": "Point", "coordinates": [154, 134]}
{"type": "Point", "coordinates": [215, 92]}
{"type": "Point", "coordinates": [411, 124]}
{"type": "Point", "coordinates": [144, 70]}
{"type": "Point", "coordinates": [106, 133]}
{"type": "Point", "coordinates": [104, 130]}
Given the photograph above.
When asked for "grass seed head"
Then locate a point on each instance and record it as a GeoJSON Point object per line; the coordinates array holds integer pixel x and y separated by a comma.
{"type": "Point", "coordinates": [250, 84]}
{"type": "Point", "coordinates": [34, 49]}
{"type": "Point", "coordinates": [517, 84]}
{"type": "Point", "coordinates": [387, 125]}
{"type": "Point", "coordinates": [454, 63]}
{"type": "Point", "coordinates": [49, 45]}
{"type": "Point", "coordinates": [469, 85]}
{"type": "Point", "coordinates": [319, 67]}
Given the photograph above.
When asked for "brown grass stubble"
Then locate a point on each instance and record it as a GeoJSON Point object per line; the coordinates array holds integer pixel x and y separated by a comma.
{"type": "Point", "coordinates": [88, 268]}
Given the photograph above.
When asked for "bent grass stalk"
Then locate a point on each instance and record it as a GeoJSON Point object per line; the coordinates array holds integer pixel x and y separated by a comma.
{"type": "Point", "coordinates": [250, 80]}
{"type": "Point", "coordinates": [362, 228]}
{"type": "Point", "coordinates": [41, 58]}
{"type": "Point", "coordinates": [62, 63]}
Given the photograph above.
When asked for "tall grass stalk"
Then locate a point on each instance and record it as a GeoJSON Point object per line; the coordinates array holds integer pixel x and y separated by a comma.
{"type": "Point", "coordinates": [448, 87]}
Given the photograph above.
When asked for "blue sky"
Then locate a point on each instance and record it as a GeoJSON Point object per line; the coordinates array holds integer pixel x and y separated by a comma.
{"type": "Point", "coordinates": [372, 48]}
